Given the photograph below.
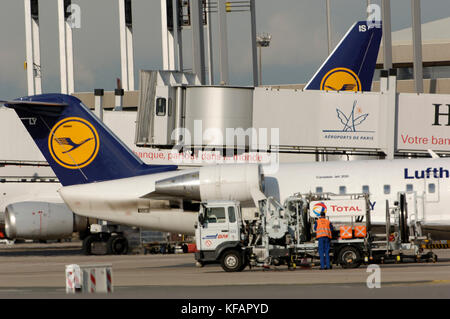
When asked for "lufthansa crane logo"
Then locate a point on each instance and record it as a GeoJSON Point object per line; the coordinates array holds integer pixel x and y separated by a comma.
{"type": "Point", "coordinates": [341, 79]}
{"type": "Point", "coordinates": [73, 143]}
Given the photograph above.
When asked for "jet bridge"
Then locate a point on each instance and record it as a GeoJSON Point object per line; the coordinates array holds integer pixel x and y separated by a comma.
{"type": "Point", "coordinates": [175, 110]}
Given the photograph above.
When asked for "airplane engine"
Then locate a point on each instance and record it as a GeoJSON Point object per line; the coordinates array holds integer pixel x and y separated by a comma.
{"type": "Point", "coordinates": [219, 182]}
{"type": "Point", "coordinates": [41, 220]}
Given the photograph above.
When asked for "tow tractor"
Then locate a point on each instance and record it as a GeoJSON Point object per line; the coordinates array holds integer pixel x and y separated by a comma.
{"type": "Point", "coordinates": [277, 234]}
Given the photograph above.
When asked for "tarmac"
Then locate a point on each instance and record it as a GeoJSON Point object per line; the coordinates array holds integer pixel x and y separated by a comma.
{"type": "Point", "coordinates": [37, 271]}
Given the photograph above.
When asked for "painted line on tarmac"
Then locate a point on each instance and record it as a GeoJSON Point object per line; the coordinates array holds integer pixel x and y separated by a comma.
{"type": "Point", "coordinates": [417, 283]}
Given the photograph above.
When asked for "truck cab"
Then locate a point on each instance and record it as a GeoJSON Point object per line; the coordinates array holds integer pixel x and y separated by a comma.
{"type": "Point", "coordinates": [218, 235]}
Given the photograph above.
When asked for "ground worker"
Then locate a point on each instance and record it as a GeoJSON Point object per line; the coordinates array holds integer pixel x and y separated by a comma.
{"type": "Point", "coordinates": [324, 229]}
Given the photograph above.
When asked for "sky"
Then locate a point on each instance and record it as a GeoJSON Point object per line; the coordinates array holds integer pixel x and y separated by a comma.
{"type": "Point", "coordinates": [298, 47]}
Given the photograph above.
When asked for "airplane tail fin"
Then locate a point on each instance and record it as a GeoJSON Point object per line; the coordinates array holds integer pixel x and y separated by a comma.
{"type": "Point", "coordinates": [77, 145]}
{"type": "Point", "coordinates": [350, 67]}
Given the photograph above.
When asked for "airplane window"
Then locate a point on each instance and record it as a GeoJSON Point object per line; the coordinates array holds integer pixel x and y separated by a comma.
{"type": "Point", "coordinates": [431, 188]}
{"type": "Point", "coordinates": [365, 189]}
{"type": "Point", "coordinates": [160, 106]}
{"type": "Point", "coordinates": [231, 214]}
{"type": "Point", "coordinates": [409, 187]}
{"type": "Point", "coordinates": [215, 215]}
{"type": "Point", "coordinates": [319, 189]}
{"type": "Point", "coordinates": [387, 189]}
{"type": "Point", "coordinates": [342, 190]}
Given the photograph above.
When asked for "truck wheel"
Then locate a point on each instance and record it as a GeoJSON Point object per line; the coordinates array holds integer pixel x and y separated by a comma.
{"type": "Point", "coordinates": [232, 261]}
{"type": "Point", "coordinates": [349, 257]}
{"type": "Point", "coordinates": [244, 263]}
{"type": "Point", "coordinates": [117, 245]}
{"type": "Point", "coordinates": [87, 244]}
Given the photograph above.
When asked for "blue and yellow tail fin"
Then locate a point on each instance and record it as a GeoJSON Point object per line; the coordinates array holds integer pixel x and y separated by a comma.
{"type": "Point", "coordinates": [350, 67]}
{"type": "Point", "coordinates": [77, 145]}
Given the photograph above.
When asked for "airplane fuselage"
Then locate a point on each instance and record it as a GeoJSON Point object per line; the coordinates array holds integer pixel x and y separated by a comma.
{"type": "Point", "coordinates": [426, 180]}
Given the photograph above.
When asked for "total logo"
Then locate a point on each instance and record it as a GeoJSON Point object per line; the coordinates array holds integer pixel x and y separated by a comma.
{"type": "Point", "coordinates": [333, 208]}
{"type": "Point", "coordinates": [319, 208]}
{"type": "Point", "coordinates": [73, 143]}
{"type": "Point", "coordinates": [345, 209]}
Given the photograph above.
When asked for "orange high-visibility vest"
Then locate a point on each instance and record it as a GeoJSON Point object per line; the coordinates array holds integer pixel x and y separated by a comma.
{"type": "Point", "coordinates": [323, 228]}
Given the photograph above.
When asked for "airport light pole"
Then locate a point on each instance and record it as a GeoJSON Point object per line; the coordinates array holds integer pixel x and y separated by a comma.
{"type": "Point", "coordinates": [223, 42]}
{"type": "Point", "coordinates": [33, 51]}
{"type": "Point", "coordinates": [329, 26]}
{"type": "Point", "coordinates": [262, 41]}
{"type": "Point", "coordinates": [417, 45]}
{"type": "Point", "coordinates": [387, 34]}
{"type": "Point", "coordinates": [126, 44]}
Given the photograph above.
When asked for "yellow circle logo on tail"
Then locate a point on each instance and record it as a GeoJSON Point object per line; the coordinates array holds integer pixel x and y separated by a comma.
{"type": "Point", "coordinates": [341, 79]}
{"type": "Point", "coordinates": [73, 143]}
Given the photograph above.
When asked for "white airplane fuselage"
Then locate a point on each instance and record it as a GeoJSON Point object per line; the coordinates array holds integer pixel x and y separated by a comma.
{"type": "Point", "coordinates": [426, 180]}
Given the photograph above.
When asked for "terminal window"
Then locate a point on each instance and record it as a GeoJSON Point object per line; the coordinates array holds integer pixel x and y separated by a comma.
{"type": "Point", "coordinates": [387, 189]}
{"type": "Point", "coordinates": [429, 72]}
{"type": "Point", "coordinates": [342, 190]}
{"type": "Point", "coordinates": [409, 187]}
{"type": "Point", "coordinates": [319, 190]}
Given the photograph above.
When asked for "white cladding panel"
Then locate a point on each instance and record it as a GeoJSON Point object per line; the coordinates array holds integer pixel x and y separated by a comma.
{"type": "Point", "coordinates": [123, 124]}
{"type": "Point", "coordinates": [320, 119]}
{"type": "Point", "coordinates": [417, 119]}
{"type": "Point", "coordinates": [15, 142]}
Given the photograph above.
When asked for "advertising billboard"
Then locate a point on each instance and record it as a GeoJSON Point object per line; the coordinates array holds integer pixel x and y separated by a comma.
{"type": "Point", "coordinates": [423, 122]}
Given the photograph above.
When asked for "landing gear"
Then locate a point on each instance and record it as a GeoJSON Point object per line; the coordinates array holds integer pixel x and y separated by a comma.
{"type": "Point", "coordinates": [105, 243]}
{"type": "Point", "coordinates": [117, 245]}
{"type": "Point", "coordinates": [88, 242]}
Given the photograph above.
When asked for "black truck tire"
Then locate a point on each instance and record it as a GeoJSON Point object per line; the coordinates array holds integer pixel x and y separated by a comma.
{"type": "Point", "coordinates": [232, 261]}
{"type": "Point", "coordinates": [349, 257]}
{"type": "Point", "coordinates": [117, 245]}
{"type": "Point", "coordinates": [87, 244]}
